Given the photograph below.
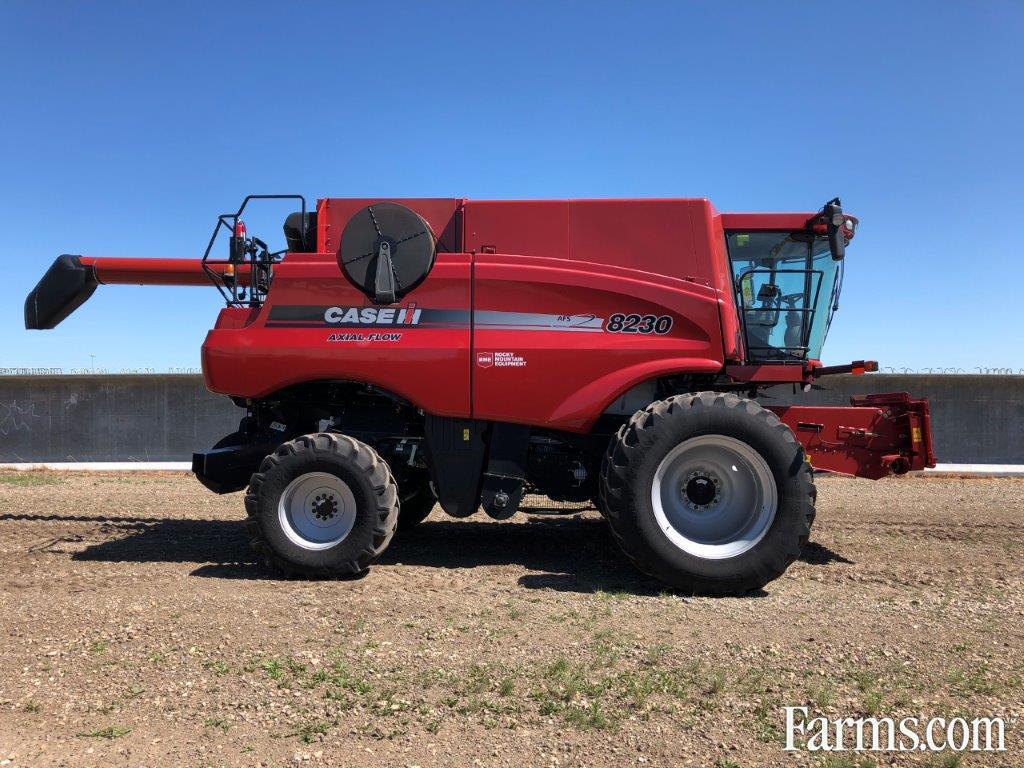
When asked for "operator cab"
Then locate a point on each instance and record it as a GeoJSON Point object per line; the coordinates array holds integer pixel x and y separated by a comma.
{"type": "Point", "coordinates": [787, 285]}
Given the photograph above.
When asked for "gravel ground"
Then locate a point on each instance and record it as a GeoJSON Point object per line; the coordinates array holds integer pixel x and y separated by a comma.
{"type": "Point", "coordinates": [138, 630]}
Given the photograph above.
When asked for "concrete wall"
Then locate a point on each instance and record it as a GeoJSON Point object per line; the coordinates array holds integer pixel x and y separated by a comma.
{"type": "Point", "coordinates": [977, 419]}
{"type": "Point", "coordinates": [110, 418]}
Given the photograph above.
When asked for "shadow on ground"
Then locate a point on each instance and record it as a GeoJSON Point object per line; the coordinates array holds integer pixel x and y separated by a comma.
{"type": "Point", "coordinates": [566, 553]}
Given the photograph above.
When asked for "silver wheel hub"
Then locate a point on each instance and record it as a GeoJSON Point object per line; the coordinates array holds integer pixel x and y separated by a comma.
{"type": "Point", "coordinates": [317, 510]}
{"type": "Point", "coordinates": [714, 497]}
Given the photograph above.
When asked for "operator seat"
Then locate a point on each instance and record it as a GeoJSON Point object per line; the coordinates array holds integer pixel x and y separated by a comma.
{"type": "Point", "coordinates": [300, 239]}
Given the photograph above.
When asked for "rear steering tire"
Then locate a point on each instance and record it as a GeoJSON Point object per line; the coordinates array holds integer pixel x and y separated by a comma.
{"type": "Point", "coordinates": [321, 506]}
{"type": "Point", "coordinates": [708, 492]}
{"type": "Point", "coordinates": [416, 506]}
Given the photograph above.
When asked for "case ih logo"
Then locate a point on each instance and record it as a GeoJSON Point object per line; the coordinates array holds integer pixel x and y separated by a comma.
{"type": "Point", "coordinates": [485, 359]}
{"type": "Point", "coordinates": [372, 316]}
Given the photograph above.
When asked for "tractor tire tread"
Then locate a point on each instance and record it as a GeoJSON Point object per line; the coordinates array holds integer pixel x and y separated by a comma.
{"type": "Point", "coordinates": [375, 470]}
{"type": "Point", "coordinates": [616, 502]}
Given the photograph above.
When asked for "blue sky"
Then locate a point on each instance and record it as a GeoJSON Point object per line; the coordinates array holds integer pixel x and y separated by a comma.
{"type": "Point", "coordinates": [126, 127]}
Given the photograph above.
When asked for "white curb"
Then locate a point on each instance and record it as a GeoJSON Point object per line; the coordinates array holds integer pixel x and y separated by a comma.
{"type": "Point", "coordinates": [977, 469]}
{"type": "Point", "coordinates": [105, 466]}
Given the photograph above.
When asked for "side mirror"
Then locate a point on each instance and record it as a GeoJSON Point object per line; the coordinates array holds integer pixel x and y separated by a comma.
{"type": "Point", "coordinates": [833, 212]}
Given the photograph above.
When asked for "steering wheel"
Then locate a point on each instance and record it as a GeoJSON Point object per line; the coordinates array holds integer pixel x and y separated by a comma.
{"type": "Point", "coordinates": [790, 299]}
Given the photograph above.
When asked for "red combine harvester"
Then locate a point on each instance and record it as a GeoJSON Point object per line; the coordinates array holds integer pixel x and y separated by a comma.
{"type": "Point", "coordinates": [468, 352]}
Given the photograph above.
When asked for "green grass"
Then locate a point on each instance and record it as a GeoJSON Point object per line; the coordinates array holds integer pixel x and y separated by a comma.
{"type": "Point", "coordinates": [607, 648]}
{"type": "Point", "coordinates": [872, 703]}
{"type": "Point", "coordinates": [217, 722]}
{"type": "Point", "coordinates": [273, 668]}
{"type": "Point", "coordinates": [765, 728]}
{"type": "Point", "coordinates": [865, 680]}
{"type": "Point", "coordinates": [389, 703]}
{"type": "Point", "coordinates": [307, 732]}
{"type": "Point", "coordinates": [716, 683]}
{"type": "Point", "coordinates": [842, 761]}
{"type": "Point", "coordinates": [110, 732]}
{"type": "Point", "coordinates": [656, 654]}
{"type": "Point", "coordinates": [32, 706]}
{"type": "Point", "coordinates": [28, 479]}
{"type": "Point", "coordinates": [591, 694]}
{"type": "Point", "coordinates": [477, 680]}
{"type": "Point", "coordinates": [974, 682]}
{"type": "Point", "coordinates": [218, 667]}
{"type": "Point", "coordinates": [824, 696]}
{"type": "Point", "coordinates": [589, 717]}
{"type": "Point", "coordinates": [944, 761]}
{"type": "Point", "coordinates": [342, 677]}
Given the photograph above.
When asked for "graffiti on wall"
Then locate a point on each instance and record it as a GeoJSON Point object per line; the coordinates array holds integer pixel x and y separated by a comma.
{"type": "Point", "coordinates": [16, 418]}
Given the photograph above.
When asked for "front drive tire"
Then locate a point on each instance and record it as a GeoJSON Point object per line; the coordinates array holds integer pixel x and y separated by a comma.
{"type": "Point", "coordinates": [708, 492]}
{"type": "Point", "coordinates": [321, 506]}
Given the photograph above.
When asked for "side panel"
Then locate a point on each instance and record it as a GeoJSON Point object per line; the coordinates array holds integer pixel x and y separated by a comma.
{"type": "Point", "coordinates": [442, 214]}
{"type": "Point", "coordinates": [655, 236]}
{"type": "Point", "coordinates": [523, 227]}
{"type": "Point", "coordinates": [316, 326]}
{"type": "Point", "coordinates": [675, 238]}
{"type": "Point", "coordinates": [551, 347]}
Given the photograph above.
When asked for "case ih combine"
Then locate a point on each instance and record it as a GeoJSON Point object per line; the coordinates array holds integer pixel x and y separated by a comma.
{"type": "Point", "coordinates": [468, 352]}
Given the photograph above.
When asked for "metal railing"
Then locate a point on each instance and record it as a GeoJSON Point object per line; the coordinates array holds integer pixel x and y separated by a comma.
{"type": "Point", "coordinates": [254, 253]}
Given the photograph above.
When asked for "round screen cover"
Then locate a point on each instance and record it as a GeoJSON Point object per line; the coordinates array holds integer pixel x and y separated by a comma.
{"type": "Point", "coordinates": [386, 230]}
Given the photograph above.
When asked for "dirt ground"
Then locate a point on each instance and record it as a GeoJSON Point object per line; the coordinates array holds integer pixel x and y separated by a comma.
{"type": "Point", "coordinates": [138, 630]}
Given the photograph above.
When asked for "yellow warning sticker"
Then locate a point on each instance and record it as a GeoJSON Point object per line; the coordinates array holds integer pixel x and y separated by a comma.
{"type": "Point", "coordinates": [915, 434]}
{"type": "Point", "coordinates": [747, 285]}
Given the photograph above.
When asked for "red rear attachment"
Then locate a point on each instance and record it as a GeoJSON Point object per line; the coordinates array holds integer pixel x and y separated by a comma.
{"type": "Point", "coordinates": [880, 435]}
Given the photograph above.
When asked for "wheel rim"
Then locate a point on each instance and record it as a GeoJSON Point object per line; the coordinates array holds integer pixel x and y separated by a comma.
{"type": "Point", "coordinates": [317, 510]}
{"type": "Point", "coordinates": [714, 496]}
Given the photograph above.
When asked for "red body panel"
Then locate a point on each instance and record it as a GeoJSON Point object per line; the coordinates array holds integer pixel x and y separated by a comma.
{"type": "Point", "coordinates": [522, 227]}
{"type": "Point", "coordinates": [543, 355]}
{"type": "Point", "coordinates": [259, 359]}
{"type": "Point", "coordinates": [669, 238]}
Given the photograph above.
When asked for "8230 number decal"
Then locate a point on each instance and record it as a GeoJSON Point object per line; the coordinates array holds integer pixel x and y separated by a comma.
{"type": "Point", "coordinates": [650, 324]}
